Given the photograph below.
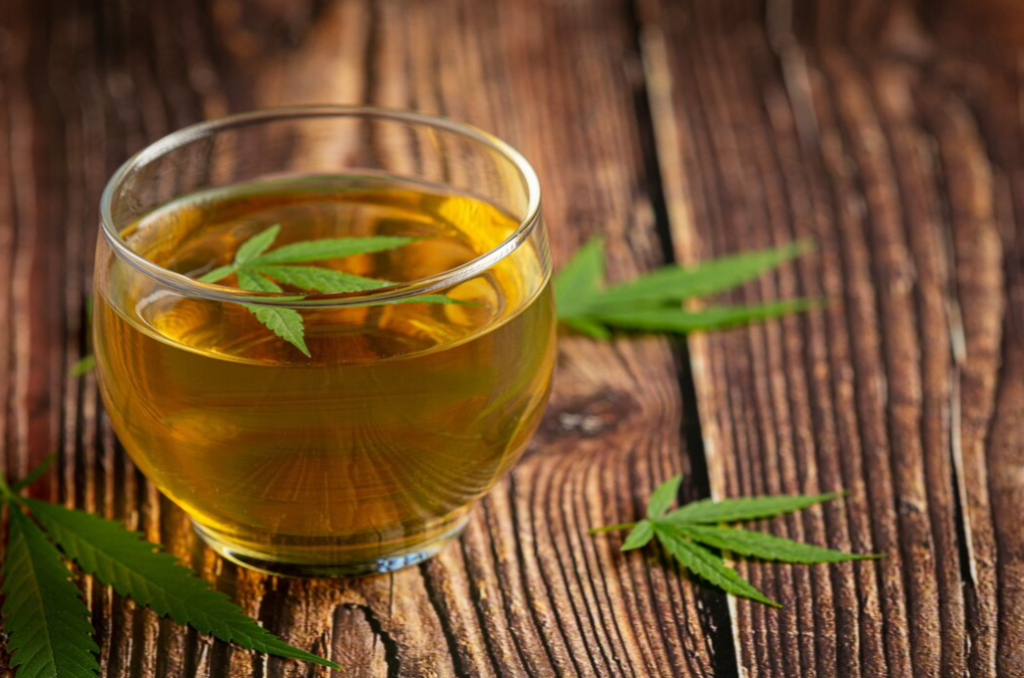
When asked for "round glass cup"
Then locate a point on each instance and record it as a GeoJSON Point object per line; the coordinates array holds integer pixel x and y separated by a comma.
{"type": "Point", "coordinates": [361, 446]}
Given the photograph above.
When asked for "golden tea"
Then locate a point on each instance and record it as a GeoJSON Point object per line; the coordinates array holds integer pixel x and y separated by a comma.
{"type": "Point", "coordinates": [370, 451]}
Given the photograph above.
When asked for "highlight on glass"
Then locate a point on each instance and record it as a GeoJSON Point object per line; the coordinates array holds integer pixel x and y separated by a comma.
{"type": "Point", "coordinates": [324, 332]}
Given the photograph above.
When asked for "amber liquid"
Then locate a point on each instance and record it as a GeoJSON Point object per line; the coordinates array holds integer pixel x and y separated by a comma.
{"type": "Point", "coordinates": [365, 454]}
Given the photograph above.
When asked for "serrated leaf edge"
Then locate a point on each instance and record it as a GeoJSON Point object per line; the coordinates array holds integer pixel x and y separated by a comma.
{"type": "Point", "coordinates": [23, 530]}
{"type": "Point", "coordinates": [247, 633]}
{"type": "Point", "coordinates": [703, 563]}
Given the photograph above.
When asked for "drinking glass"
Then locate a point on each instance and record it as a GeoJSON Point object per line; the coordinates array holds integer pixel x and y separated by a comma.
{"type": "Point", "coordinates": [364, 450]}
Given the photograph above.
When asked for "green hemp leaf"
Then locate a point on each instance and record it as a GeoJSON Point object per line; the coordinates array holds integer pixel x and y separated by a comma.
{"type": "Point", "coordinates": [45, 618]}
{"type": "Point", "coordinates": [653, 302]}
{"type": "Point", "coordinates": [687, 532]}
{"type": "Point", "coordinates": [257, 267]}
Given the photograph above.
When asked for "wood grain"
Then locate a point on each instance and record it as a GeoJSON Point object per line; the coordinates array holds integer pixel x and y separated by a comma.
{"type": "Point", "coordinates": [525, 591]}
{"type": "Point", "coordinates": [888, 132]}
{"type": "Point", "coordinates": [853, 125]}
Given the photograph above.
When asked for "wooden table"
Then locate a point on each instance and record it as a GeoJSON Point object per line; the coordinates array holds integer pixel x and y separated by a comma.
{"type": "Point", "coordinates": [890, 133]}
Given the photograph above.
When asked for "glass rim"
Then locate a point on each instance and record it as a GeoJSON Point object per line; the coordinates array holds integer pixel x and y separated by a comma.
{"type": "Point", "coordinates": [400, 290]}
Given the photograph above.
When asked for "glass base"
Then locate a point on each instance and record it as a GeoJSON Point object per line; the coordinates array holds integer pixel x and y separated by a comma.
{"type": "Point", "coordinates": [254, 559]}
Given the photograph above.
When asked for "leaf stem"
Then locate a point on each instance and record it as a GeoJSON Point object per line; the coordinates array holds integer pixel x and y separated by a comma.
{"type": "Point", "coordinates": [611, 528]}
{"type": "Point", "coordinates": [35, 474]}
{"type": "Point", "coordinates": [6, 493]}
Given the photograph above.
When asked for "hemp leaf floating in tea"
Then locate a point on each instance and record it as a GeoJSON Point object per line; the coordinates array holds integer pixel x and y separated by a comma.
{"type": "Point", "coordinates": [652, 301]}
{"type": "Point", "coordinates": [45, 617]}
{"type": "Point", "coordinates": [257, 269]}
{"type": "Point", "coordinates": [687, 532]}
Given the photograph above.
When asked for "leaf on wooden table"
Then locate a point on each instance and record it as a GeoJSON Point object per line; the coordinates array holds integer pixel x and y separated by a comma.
{"type": "Point", "coordinates": [680, 531]}
{"type": "Point", "coordinates": [663, 496]}
{"type": "Point", "coordinates": [36, 473]}
{"type": "Point", "coordinates": [766, 546]}
{"type": "Point", "coordinates": [678, 283]}
{"type": "Point", "coordinates": [579, 282]}
{"type": "Point", "coordinates": [683, 321]}
{"type": "Point", "coordinates": [639, 536]}
{"type": "Point", "coordinates": [651, 302]}
{"type": "Point", "coordinates": [45, 618]}
{"type": "Point", "coordinates": [84, 365]}
{"type": "Point", "coordinates": [745, 508]}
{"type": "Point", "coordinates": [706, 564]}
{"type": "Point", "coordinates": [591, 328]}
{"type": "Point", "coordinates": [137, 568]}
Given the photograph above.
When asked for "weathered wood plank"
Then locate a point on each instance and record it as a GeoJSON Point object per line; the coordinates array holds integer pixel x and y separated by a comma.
{"type": "Point", "coordinates": [525, 592]}
{"type": "Point", "coordinates": [890, 134]}
{"type": "Point", "coordinates": [848, 122]}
